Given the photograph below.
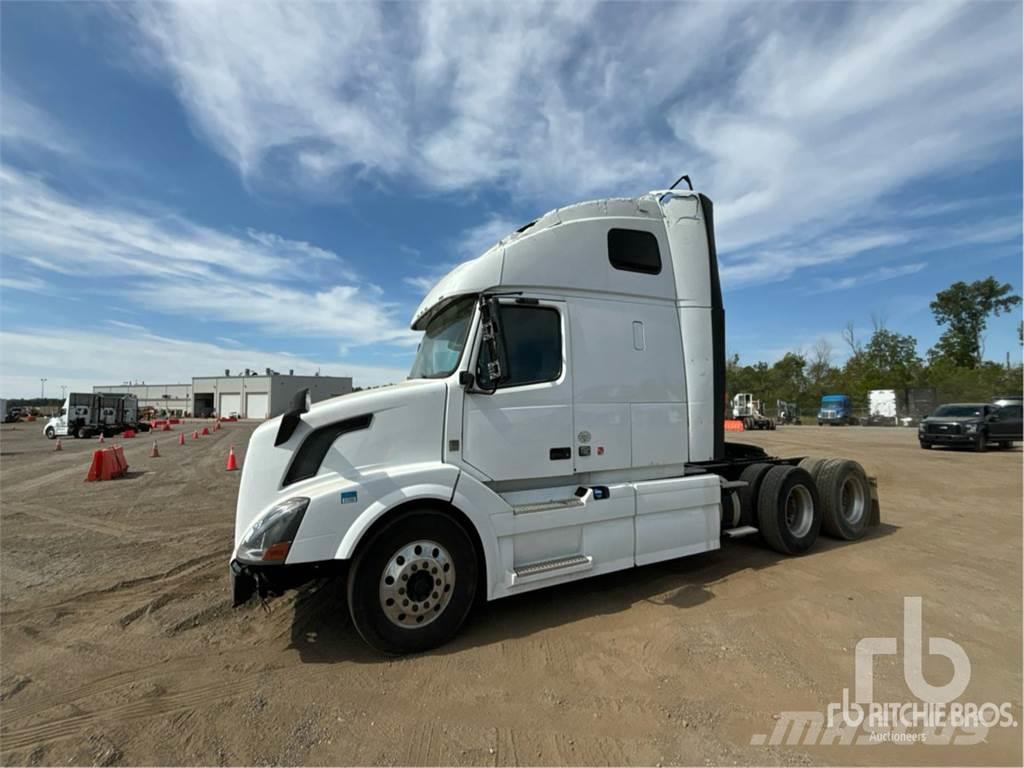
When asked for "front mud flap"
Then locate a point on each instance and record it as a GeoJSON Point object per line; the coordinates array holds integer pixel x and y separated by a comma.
{"type": "Point", "coordinates": [243, 585]}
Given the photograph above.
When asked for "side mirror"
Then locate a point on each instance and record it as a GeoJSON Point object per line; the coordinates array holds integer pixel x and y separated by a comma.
{"type": "Point", "coordinates": [490, 312]}
{"type": "Point", "coordinates": [466, 379]}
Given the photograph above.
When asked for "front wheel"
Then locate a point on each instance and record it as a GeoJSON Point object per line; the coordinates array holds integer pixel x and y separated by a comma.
{"type": "Point", "coordinates": [50, 434]}
{"type": "Point", "coordinates": [925, 445]}
{"type": "Point", "coordinates": [981, 444]}
{"type": "Point", "coordinates": [412, 584]}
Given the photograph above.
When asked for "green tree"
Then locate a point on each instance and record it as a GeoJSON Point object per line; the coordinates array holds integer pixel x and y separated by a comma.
{"type": "Point", "coordinates": [787, 379]}
{"type": "Point", "coordinates": [964, 308]}
{"type": "Point", "coordinates": [891, 360]}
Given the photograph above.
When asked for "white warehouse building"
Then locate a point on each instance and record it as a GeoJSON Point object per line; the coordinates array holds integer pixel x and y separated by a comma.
{"type": "Point", "coordinates": [248, 394]}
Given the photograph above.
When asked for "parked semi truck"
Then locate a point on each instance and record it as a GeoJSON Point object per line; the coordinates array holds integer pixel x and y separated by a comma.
{"type": "Point", "coordinates": [87, 414]}
{"type": "Point", "coordinates": [751, 412]}
{"type": "Point", "coordinates": [563, 418]}
{"type": "Point", "coordinates": [836, 410]}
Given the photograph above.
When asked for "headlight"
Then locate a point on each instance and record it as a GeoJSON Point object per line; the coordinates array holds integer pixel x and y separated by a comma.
{"type": "Point", "coordinates": [272, 536]}
{"type": "Point", "coordinates": [968, 428]}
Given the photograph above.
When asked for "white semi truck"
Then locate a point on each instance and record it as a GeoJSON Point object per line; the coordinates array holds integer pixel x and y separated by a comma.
{"type": "Point", "coordinates": [86, 414]}
{"type": "Point", "coordinates": [563, 418]}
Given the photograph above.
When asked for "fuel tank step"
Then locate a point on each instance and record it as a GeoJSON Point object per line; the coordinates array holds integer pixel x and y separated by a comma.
{"type": "Point", "coordinates": [549, 568]}
{"type": "Point", "coordinates": [544, 506]}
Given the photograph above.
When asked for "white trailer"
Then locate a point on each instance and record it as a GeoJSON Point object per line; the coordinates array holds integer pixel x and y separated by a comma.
{"type": "Point", "coordinates": [563, 418]}
{"type": "Point", "coordinates": [883, 407]}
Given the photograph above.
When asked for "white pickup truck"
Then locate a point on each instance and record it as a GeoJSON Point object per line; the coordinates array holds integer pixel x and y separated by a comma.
{"type": "Point", "coordinates": [563, 418]}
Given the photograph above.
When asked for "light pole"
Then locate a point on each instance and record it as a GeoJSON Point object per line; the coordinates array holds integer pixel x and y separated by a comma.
{"type": "Point", "coordinates": [42, 389]}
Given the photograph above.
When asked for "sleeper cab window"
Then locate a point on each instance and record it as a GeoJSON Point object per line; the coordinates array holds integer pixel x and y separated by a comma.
{"type": "Point", "coordinates": [532, 339]}
{"type": "Point", "coordinates": [634, 250]}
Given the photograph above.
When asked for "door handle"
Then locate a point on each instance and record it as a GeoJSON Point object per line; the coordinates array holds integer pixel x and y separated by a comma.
{"type": "Point", "coordinates": [557, 454]}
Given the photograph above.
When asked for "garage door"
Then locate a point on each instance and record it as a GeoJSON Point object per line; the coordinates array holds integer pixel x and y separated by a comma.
{"type": "Point", "coordinates": [256, 405]}
{"type": "Point", "coordinates": [230, 404]}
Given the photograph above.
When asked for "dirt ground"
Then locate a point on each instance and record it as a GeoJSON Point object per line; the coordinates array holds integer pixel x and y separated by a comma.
{"type": "Point", "coordinates": [119, 645]}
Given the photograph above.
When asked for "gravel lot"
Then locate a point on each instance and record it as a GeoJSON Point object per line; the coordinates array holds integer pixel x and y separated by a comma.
{"type": "Point", "coordinates": [119, 645]}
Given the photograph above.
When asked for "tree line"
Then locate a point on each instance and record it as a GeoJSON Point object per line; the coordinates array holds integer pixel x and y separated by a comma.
{"type": "Point", "coordinates": [955, 367]}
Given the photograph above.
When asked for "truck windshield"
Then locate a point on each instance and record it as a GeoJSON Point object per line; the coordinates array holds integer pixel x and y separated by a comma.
{"type": "Point", "coordinates": [443, 341]}
{"type": "Point", "coordinates": [959, 410]}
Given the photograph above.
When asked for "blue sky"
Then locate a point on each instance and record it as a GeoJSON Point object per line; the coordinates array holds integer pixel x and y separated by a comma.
{"type": "Point", "coordinates": [191, 187]}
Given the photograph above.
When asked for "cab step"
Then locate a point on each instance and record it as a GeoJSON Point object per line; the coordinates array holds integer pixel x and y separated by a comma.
{"type": "Point", "coordinates": [735, 533]}
{"type": "Point", "coordinates": [547, 569]}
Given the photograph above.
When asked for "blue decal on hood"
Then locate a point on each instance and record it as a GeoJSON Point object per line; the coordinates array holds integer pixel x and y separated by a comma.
{"type": "Point", "coordinates": [349, 497]}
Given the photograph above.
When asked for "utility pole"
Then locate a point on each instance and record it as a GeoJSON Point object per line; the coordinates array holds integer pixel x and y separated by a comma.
{"type": "Point", "coordinates": [63, 388]}
{"type": "Point", "coordinates": [42, 388]}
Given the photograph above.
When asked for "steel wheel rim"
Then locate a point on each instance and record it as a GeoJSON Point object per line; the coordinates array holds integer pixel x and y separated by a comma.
{"type": "Point", "coordinates": [799, 511]}
{"type": "Point", "coordinates": [417, 583]}
{"type": "Point", "coordinates": [852, 500]}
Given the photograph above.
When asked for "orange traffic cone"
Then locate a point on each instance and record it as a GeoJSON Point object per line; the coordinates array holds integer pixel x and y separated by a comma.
{"type": "Point", "coordinates": [195, 435]}
{"type": "Point", "coordinates": [59, 446]}
{"type": "Point", "coordinates": [216, 426]}
{"type": "Point", "coordinates": [206, 430]}
{"type": "Point", "coordinates": [181, 438]}
{"type": "Point", "coordinates": [154, 452]}
{"type": "Point", "coordinates": [232, 461]}
{"type": "Point", "coordinates": [165, 428]}
{"type": "Point", "coordinates": [101, 437]}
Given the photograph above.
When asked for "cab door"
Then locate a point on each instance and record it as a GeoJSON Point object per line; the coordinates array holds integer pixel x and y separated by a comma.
{"type": "Point", "coordinates": [1005, 423]}
{"type": "Point", "coordinates": [524, 428]}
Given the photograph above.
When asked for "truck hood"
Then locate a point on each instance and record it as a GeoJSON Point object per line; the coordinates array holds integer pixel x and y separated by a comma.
{"type": "Point", "coordinates": [952, 419]}
{"type": "Point", "coordinates": [406, 427]}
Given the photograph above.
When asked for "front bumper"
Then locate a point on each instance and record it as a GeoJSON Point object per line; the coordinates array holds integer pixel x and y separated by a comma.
{"type": "Point", "coordinates": [250, 579]}
{"type": "Point", "coordinates": [948, 439]}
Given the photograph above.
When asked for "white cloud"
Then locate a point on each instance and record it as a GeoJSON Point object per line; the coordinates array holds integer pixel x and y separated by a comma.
{"type": "Point", "coordinates": [81, 359]}
{"type": "Point", "coordinates": [794, 118]}
{"type": "Point", "coordinates": [877, 275]}
{"type": "Point", "coordinates": [23, 124]}
{"type": "Point", "coordinates": [281, 287]}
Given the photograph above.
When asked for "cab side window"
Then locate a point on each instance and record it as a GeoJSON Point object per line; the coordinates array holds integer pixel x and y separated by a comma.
{"type": "Point", "coordinates": [532, 339]}
{"type": "Point", "coordinates": [634, 250]}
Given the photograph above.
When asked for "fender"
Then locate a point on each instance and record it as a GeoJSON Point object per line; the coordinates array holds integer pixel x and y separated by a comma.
{"type": "Point", "coordinates": [441, 482]}
{"type": "Point", "coordinates": [409, 483]}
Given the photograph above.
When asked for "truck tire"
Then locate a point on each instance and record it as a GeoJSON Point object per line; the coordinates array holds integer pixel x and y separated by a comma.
{"type": "Point", "coordinates": [926, 446]}
{"type": "Point", "coordinates": [82, 432]}
{"type": "Point", "coordinates": [412, 584]}
{"type": "Point", "coordinates": [753, 476]}
{"type": "Point", "coordinates": [981, 443]}
{"type": "Point", "coordinates": [813, 465]}
{"type": "Point", "coordinates": [845, 499]}
{"type": "Point", "coordinates": [50, 434]}
{"type": "Point", "coordinates": [788, 510]}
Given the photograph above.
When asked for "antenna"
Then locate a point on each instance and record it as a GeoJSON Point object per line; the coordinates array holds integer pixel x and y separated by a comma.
{"type": "Point", "coordinates": [686, 178]}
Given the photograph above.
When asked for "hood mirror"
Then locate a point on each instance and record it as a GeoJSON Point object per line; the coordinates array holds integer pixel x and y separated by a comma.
{"type": "Point", "coordinates": [291, 418]}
